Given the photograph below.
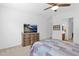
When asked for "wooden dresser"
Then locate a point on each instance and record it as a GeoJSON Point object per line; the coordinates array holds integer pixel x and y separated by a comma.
{"type": "Point", "coordinates": [29, 38]}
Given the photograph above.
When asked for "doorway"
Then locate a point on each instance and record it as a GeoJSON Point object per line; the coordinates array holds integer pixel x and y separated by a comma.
{"type": "Point", "coordinates": [67, 29]}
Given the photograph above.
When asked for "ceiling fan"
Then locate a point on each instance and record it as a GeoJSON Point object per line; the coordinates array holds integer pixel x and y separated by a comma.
{"type": "Point", "coordinates": [55, 6]}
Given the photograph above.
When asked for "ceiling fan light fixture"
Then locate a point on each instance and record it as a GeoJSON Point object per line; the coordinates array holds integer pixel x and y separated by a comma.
{"type": "Point", "coordinates": [55, 8]}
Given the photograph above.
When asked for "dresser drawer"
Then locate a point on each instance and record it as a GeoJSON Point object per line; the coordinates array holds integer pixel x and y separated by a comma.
{"type": "Point", "coordinates": [30, 38]}
{"type": "Point", "coordinates": [26, 42]}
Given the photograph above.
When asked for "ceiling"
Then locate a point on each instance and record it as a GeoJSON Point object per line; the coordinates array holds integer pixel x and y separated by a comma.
{"type": "Point", "coordinates": [36, 8]}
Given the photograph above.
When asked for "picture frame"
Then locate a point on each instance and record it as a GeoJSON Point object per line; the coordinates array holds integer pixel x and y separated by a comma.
{"type": "Point", "coordinates": [56, 27]}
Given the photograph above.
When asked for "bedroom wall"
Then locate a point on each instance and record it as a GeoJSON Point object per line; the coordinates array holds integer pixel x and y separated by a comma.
{"type": "Point", "coordinates": [64, 13]}
{"type": "Point", "coordinates": [12, 18]}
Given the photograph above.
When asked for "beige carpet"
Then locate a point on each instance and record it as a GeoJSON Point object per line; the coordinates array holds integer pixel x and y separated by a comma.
{"type": "Point", "coordinates": [16, 51]}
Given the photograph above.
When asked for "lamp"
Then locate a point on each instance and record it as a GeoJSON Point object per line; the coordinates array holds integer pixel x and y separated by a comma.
{"type": "Point", "coordinates": [55, 8]}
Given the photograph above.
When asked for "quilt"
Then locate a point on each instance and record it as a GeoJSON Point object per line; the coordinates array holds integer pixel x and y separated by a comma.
{"type": "Point", "coordinates": [54, 47]}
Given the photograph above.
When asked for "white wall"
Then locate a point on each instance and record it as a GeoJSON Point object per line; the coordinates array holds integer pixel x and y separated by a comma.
{"type": "Point", "coordinates": [12, 18]}
{"type": "Point", "coordinates": [67, 12]}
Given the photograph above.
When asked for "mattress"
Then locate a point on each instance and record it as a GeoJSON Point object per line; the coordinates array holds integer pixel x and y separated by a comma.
{"type": "Point", "coordinates": [54, 47]}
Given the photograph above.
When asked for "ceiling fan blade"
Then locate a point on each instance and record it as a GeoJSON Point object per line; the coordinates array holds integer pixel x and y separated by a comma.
{"type": "Point", "coordinates": [50, 3]}
{"type": "Point", "coordinates": [59, 4]}
{"type": "Point", "coordinates": [64, 5]}
{"type": "Point", "coordinates": [47, 8]}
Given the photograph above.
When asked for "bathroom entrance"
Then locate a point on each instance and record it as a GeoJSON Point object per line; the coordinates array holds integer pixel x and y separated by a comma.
{"type": "Point", "coordinates": [67, 29]}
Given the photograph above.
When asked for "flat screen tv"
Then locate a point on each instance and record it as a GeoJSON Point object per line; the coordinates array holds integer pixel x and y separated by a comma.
{"type": "Point", "coordinates": [30, 28]}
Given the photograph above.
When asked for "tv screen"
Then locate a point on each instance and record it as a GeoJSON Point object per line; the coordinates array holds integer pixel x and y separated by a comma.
{"type": "Point", "coordinates": [33, 28]}
{"type": "Point", "coordinates": [30, 28]}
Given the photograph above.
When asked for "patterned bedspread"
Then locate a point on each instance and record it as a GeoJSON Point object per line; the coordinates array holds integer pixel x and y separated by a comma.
{"type": "Point", "coordinates": [54, 47]}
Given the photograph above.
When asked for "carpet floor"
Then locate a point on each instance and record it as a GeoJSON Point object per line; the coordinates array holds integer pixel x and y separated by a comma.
{"type": "Point", "coordinates": [16, 51]}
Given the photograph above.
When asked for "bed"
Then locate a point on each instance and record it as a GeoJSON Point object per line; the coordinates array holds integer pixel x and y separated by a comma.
{"type": "Point", "coordinates": [54, 47]}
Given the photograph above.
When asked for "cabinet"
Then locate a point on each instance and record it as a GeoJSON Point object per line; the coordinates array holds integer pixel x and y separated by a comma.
{"type": "Point", "coordinates": [29, 38]}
